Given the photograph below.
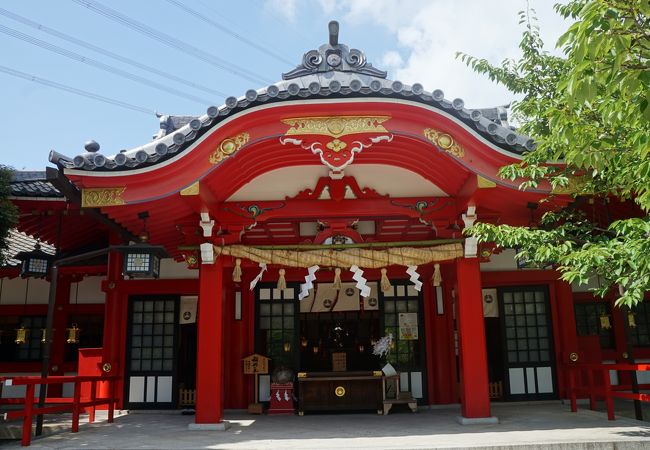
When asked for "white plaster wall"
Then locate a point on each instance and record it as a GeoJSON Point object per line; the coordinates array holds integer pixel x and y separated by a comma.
{"type": "Point", "coordinates": [593, 283]}
{"type": "Point", "coordinates": [18, 291]}
{"type": "Point", "coordinates": [501, 262]}
{"type": "Point", "coordinates": [172, 270]}
{"type": "Point", "coordinates": [17, 391]}
{"type": "Point", "coordinates": [87, 291]}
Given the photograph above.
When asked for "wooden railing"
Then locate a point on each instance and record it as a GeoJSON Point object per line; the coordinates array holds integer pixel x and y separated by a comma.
{"type": "Point", "coordinates": [598, 385]}
{"type": "Point", "coordinates": [75, 404]}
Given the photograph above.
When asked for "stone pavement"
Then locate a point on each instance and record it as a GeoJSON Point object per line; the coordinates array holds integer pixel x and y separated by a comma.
{"type": "Point", "coordinates": [531, 426]}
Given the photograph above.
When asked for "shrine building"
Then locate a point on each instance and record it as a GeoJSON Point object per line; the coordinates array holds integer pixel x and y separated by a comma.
{"type": "Point", "coordinates": [309, 221]}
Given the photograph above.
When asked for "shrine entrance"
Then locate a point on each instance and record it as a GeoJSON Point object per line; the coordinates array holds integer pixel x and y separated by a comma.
{"type": "Point", "coordinates": [334, 330]}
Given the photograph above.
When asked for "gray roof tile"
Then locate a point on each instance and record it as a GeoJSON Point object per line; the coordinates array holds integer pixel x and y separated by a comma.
{"type": "Point", "coordinates": [21, 242]}
{"type": "Point", "coordinates": [32, 184]}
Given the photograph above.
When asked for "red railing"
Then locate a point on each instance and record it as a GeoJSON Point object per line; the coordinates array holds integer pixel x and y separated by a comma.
{"type": "Point", "coordinates": [75, 404]}
{"type": "Point", "coordinates": [598, 385]}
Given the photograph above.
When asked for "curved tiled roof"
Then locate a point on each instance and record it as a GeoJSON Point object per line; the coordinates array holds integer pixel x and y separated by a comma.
{"type": "Point", "coordinates": [18, 242]}
{"type": "Point", "coordinates": [32, 184]}
{"type": "Point", "coordinates": [332, 71]}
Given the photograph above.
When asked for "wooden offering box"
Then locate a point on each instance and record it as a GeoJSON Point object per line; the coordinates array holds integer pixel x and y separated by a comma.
{"type": "Point", "coordinates": [340, 391]}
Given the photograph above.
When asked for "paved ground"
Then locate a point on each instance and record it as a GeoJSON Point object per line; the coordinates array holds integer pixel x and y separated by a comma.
{"type": "Point", "coordinates": [533, 426]}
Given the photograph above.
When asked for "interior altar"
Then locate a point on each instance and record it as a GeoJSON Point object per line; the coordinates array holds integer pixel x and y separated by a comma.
{"type": "Point", "coordinates": [339, 391]}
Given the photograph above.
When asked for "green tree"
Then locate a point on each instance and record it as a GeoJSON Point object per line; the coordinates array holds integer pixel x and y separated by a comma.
{"type": "Point", "coordinates": [8, 211]}
{"type": "Point", "coordinates": [590, 110]}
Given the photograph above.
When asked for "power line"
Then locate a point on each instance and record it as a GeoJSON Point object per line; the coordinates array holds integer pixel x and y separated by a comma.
{"type": "Point", "coordinates": [108, 53]}
{"type": "Point", "coordinates": [73, 90]}
{"type": "Point", "coordinates": [294, 30]}
{"type": "Point", "coordinates": [91, 62]}
{"type": "Point", "coordinates": [170, 41]}
{"type": "Point", "coordinates": [223, 28]}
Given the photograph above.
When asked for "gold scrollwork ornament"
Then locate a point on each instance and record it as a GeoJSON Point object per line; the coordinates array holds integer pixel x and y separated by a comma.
{"type": "Point", "coordinates": [98, 197]}
{"type": "Point", "coordinates": [339, 391]}
{"type": "Point", "coordinates": [229, 146]}
{"type": "Point", "coordinates": [335, 126]}
{"type": "Point", "coordinates": [107, 367]}
{"type": "Point", "coordinates": [445, 142]}
{"type": "Point", "coordinates": [573, 357]}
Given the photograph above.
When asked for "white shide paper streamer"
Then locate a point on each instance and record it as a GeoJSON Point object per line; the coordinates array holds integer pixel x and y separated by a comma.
{"type": "Point", "coordinates": [259, 276]}
{"type": "Point", "coordinates": [309, 282]}
{"type": "Point", "coordinates": [415, 277]}
{"type": "Point", "coordinates": [361, 281]}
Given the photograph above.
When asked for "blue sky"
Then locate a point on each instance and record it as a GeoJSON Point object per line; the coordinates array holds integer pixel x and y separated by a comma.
{"type": "Point", "coordinates": [415, 40]}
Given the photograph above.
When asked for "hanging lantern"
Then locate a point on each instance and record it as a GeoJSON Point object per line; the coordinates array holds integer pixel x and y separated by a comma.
{"type": "Point", "coordinates": [35, 263]}
{"type": "Point", "coordinates": [21, 335]}
{"type": "Point", "coordinates": [303, 342]}
{"type": "Point", "coordinates": [315, 349]}
{"type": "Point", "coordinates": [631, 319]}
{"type": "Point", "coordinates": [73, 334]}
{"type": "Point", "coordinates": [287, 347]}
{"type": "Point", "coordinates": [142, 260]}
{"type": "Point", "coordinates": [604, 322]}
{"type": "Point", "coordinates": [361, 348]}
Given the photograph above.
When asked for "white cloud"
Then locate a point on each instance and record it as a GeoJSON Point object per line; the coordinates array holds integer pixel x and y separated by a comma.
{"type": "Point", "coordinates": [429, 33]}
{"type": "Point", "coordinates": [329, 6]}
{"type": "Point", "coordinates": [392, 60]}
{"type": "Point", "coordinates": [286, 9]}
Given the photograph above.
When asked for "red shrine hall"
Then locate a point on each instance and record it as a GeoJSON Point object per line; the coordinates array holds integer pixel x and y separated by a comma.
{"type": "Point", "coordinates": [300, 249]}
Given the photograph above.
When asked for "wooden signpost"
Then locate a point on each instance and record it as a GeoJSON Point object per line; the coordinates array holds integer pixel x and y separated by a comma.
{"type": "Point", "coordinates": [255, 365]}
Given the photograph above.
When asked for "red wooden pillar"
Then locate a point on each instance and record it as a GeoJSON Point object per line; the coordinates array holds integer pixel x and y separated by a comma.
{"type": "Point", "coordinates": [474, 395]}
{"type": "Point", "coordinates": [61, 311]}
{"type": "Point", "coordinates": [209, 366]}
{"type": "Point", "coordinates": [568, 335]}
{"type": "Point", "coordinates": [114, 326]}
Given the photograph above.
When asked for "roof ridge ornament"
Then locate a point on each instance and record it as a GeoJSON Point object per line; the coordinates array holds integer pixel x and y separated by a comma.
{"type": "Point", "coordinates": [334, 56]}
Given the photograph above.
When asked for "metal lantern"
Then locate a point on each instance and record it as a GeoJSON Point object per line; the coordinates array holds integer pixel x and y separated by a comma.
{"type": "Point", "coordinates": [605, 324]}
{"type": "Point", "coordinates": [21, 335]}
{"type": "Point", "coordinates": [35, 263]}
{"type": "Point", "coordinates": [142, 260]}
{"type": "Point", "coordinates": [631, 319]}
{"type": "Point", "coordinates": [73, 334]}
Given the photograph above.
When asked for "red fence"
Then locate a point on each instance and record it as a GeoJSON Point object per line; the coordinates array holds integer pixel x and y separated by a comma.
{"type": "Point", "coordinates": [75, 404]}
{"type": "Point", "coordinates": [597, 385]}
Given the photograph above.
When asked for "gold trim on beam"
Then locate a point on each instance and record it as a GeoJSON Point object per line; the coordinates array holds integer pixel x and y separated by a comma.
{"type": "Point", "coordinates": [484, 183]}
{"type": "Point", "coordinates": [445, 142]}
{"type": "Point", "coordinates": [335, 126]}
{"type": "Point", "coordinates": [229, 146]}
{"type": "Point", "coordinates": [98, 197]}
{"type": "Point", "coordinates": [191, 190]}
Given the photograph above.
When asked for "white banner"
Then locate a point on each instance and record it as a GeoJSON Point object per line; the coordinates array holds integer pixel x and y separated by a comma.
{"type": "Point", "coordinates": [490, 304]}
{"type": "Point", "coordinates": [187, 310]}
